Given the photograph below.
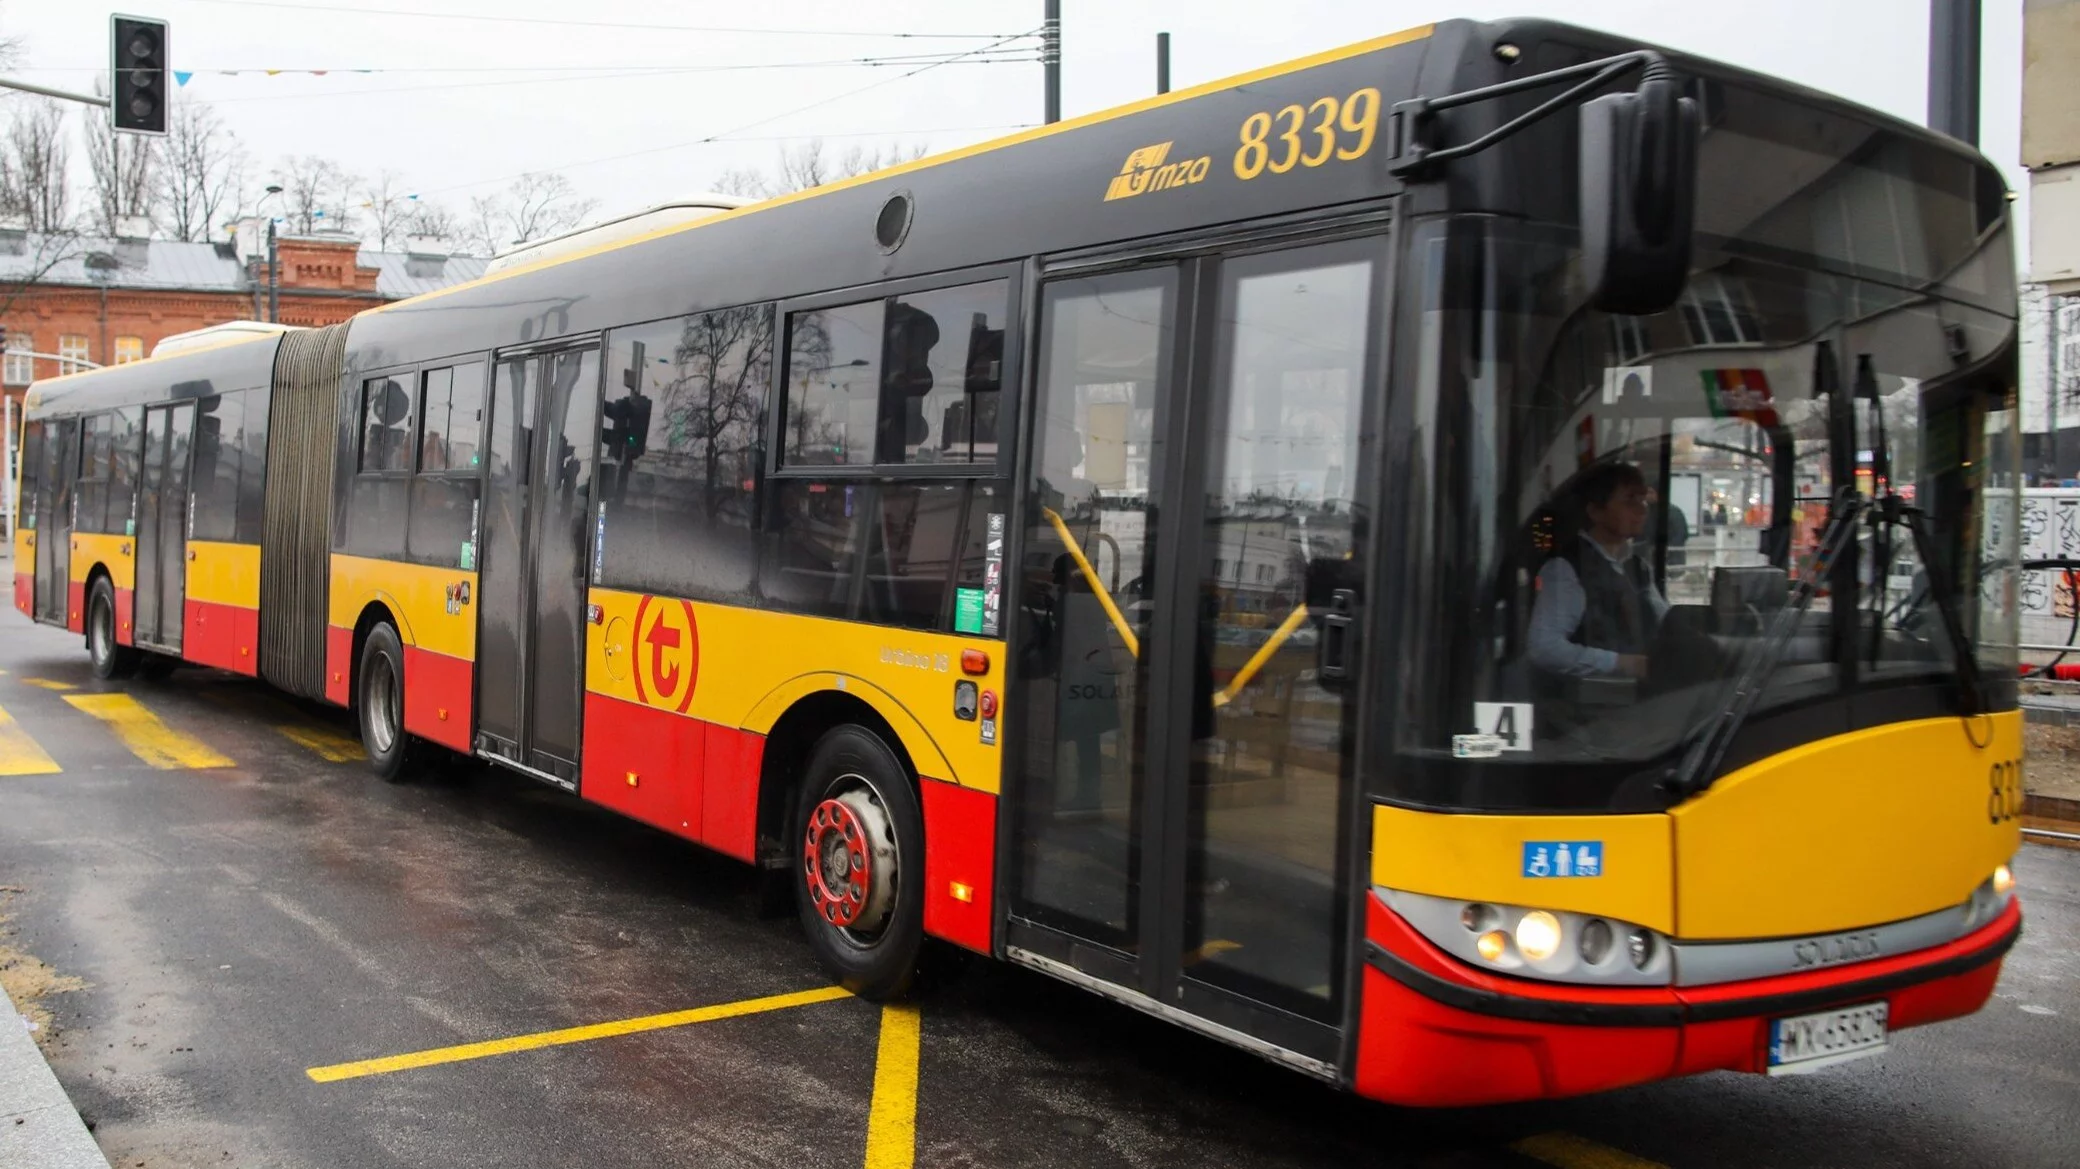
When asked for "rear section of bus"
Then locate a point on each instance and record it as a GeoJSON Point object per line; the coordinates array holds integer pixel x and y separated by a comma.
{"type": "Point", "coordinates": [1732, 783]}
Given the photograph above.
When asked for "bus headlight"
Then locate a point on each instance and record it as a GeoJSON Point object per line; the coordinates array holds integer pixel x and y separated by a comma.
{"type": "Point", "coordinates": [2003, 880]}
{"type": "Point", "coordinates": [1553, 944]}
{"type": "Point", "coordinates": [1538, 935]}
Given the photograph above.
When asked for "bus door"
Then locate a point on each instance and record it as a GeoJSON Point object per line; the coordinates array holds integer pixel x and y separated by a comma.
{"type": "Point", "coordinates": [162, 526]}
{"type": "Point", "coordinates": [1181, 795]}
{"type": "Point", "coordinates": [54, 489]}
{"type": "Point", "coordinates": [537, 541]}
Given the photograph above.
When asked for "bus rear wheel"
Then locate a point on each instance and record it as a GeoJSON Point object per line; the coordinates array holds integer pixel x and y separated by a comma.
{"type": "Point", "coordinates": [859, 863]}
{"type": "Point", "coordinates": [380, 704]}
{"type": "Point", "coordinates": [110, 659]}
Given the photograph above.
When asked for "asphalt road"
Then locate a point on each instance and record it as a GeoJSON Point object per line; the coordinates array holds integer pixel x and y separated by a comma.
{"type": "Point", "coordinates": [236, 924]}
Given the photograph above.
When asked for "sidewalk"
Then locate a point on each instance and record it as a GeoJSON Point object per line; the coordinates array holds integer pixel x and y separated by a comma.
{"type": "Point", "coordinates": [38, 1126]}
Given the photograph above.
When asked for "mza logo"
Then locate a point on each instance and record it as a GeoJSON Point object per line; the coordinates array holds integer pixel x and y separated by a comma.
{"type": "Point", "coordinates": [1147, 169]}
{"type": "Point", "coordinates": [668, 653]}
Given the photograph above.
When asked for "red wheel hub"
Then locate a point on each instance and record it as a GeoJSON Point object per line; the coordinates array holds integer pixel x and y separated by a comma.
{"type": "Point", "coordinates": [837, 860]}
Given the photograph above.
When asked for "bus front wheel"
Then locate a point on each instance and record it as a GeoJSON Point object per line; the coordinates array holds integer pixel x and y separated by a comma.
{"type": "Point", "coordinates": [110, 659]}
{"type": "Point", "coordinates": [859, 863]}
{"type": "Point", "coordinates": [380, 704]}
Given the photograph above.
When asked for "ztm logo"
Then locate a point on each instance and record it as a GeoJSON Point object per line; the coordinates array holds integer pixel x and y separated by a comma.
{"type": "Point", "coordinates": [1146, 171]}
{"type": "Point", "coordinates": [667, 652]}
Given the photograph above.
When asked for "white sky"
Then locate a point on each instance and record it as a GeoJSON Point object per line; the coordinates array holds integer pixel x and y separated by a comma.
{"type": "Point", "coordinates": [467, 137]}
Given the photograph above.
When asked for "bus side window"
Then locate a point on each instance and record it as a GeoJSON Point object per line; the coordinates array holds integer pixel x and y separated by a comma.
{"type": "Point", "coordinates": [444, 492]}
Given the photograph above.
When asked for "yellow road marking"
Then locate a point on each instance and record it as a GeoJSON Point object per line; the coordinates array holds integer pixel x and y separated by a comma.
{"type": "Point", "coordinates": [48, 684]}
{"type": "Point", "coordinates": [892, 1118]}
{"type": "Point", "coordinates": [19, 754]}
{"type": "Point", "coordinates": [1569, 1151]}
{"type": "Point", "coordinates": [149, 739]}
{"type": "Point", "coordinates": [466, 1051]}
{"type": "Point", "coordinates": [330, 745]}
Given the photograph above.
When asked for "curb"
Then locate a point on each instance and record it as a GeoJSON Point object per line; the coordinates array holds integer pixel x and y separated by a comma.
{"type": "Point", "coordinates": [38, 1125]}
{"type": "Point", "coordinates": [2051, 814]}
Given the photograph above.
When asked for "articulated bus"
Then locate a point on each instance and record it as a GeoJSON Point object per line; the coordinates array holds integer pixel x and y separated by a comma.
{"type": "Point", "coordinates": [1478, 565]}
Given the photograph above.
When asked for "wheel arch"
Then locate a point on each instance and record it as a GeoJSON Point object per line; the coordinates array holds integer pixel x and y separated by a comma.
{"type": "Point", "coordinates": [373, 613]}
{"type": "Point", "coordinates": [792, 735]}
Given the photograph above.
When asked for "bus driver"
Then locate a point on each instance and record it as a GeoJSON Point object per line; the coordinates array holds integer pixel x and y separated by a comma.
{"type": "Point", "coordinates": [1598, 611]}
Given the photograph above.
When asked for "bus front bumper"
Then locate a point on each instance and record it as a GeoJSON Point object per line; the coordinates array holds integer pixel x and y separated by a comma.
{"type": "Point", "coordinates": [1434, 1031]}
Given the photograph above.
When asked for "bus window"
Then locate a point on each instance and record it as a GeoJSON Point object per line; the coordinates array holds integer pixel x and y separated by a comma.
{"type": "Point", "coordinates": [833, 385]}
{"type": "Point", "coordinates": [680, 453]}
{"type": "Point", "coordinates": [918, 530]}
{"type": "Point", "coordinates": [944, 370]}
{"type": "Point", "coordinates": [907, 380]}
{"type": "Point", "coordinates": [218, 421]}
{"type": "Point", "coordinates": [96, 467]}
{"type": "Point", "coordinates": [31, 466]}
{"type": "Point", "coordinates": [386, 426]}
{"type": "Point", "coordinates": [444, 493]}
{"type": "Point", "coordinates": [126, 449]}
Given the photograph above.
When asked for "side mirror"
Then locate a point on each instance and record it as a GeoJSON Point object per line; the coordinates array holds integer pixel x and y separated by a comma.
{"type": "Point", "coordinates": [1639, 196]}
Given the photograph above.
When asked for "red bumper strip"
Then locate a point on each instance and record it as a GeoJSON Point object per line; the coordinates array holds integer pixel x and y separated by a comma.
{"type": "Point", "coordinates": [1481, 1001]}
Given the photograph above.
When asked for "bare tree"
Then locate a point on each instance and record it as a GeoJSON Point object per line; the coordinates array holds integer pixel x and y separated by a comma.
{"type": "Point", "coordinates": [41, 252]}
{"type": "Point", "coordinates": [123, 169]}
{"type": "Point", "coordinates": [481, 232]}
{"type": "Point", "coordinates": [390, 210]}
{"type": "Point", "coordinates": [544, 205]}
{"type": "Point", "coordinates": [34, 166]}
{"type": "Point", "coordinates": [201, 172]}
{"type": "Point", "coordinates": [809, 164]}
{"type": "Point", "coordinates": [316, 192]}
{"type": "Point", "coordinates": [434, 219]}
{"type": "Point", "coordinates": [538, 206]}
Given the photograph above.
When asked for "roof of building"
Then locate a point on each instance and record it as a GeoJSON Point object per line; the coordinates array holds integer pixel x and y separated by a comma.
{"type": "Point", "coordinates": [197, 267]}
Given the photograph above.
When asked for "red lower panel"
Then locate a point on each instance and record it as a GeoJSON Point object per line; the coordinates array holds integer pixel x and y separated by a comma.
{"type": "Point", "coordinates": [247, 623]}
{"type": "Point", "coordinates": [960, 849]}
{"type": "Point", "coordinates": [25, 593]}
{"type": "Point", "coordinates": [1414, 1050]}
{"type": "Point", "coordinates": [729, 792]}
{"type": "Point", "coordinates": [210, 636]}
{"type": "Point", "coordinates": [126, 604]}
{"type": "Point", "coordinates": [339, 665]}
{"type": "Point", "coordinates": [644, 762]}
{"type": "Point", "coordinates": [76, 606]}
{"type": "Point", "coordinates": [437, 695]}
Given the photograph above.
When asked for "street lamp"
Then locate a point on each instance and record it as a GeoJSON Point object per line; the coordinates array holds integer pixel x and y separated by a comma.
{"type": "Point", "coordinates": [274, 311]}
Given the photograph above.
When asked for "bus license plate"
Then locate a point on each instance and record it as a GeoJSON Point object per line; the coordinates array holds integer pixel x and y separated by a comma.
{"type": "Point", "coordinates": [1805, 1043]}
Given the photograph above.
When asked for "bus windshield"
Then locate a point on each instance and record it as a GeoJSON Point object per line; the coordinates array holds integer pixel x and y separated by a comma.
{"type": "Point", "coordinates": [1623, 506]}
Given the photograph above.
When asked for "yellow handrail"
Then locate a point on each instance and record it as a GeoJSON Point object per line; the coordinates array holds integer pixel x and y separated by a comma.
{"type": "Point", "coordinates": [1083, 565]}
{"type": "Point", "coordinates": [1256, 660]}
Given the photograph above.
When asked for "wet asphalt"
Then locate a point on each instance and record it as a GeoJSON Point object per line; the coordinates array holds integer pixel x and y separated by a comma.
{"type": "Point", "coordinates": [236, 926]}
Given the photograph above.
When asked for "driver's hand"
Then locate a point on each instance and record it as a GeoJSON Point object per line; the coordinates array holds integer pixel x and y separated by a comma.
{"type": "Point", "coordinates": [1632, 665]}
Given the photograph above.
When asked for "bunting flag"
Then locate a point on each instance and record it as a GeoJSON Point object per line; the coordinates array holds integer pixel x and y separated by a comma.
{"type": "Point", "coordinates": [180, 78]}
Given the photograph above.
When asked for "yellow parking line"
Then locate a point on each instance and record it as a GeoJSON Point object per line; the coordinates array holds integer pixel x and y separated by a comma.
{"type": "Point", "coordinates": [892, 1118]}
{"type": "Point", "coordinates": [1569, 1151]}
{"type": "Point", "coordinates": [20, 754]}
{"type": "Point", "coordinates": [330, 745]}
{"type": "Point", "coordinates": [149, 739]}
{"type": "Point", "coordinates": [440, 1055]}
{"type": "Point", "coordinates": [48, 684]}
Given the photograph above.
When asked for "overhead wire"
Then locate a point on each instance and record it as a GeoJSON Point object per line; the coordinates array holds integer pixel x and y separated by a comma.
{"type": "Point", "coordinates": [356, 10]}
{"type": "Point", "coordinates": [716, 137]}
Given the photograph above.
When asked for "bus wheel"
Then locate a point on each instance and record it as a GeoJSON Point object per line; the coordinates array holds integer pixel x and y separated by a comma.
{"type": "Point", "coordinates": [860, 863]}
{"type": "Point", "coordinates": [381, 705]}
{"type": "Point", "coordinates": [110, 659]}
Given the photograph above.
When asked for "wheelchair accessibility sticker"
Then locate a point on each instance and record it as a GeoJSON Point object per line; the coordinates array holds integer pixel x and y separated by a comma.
{"type": "Point", "coordinates": [1563, 858]}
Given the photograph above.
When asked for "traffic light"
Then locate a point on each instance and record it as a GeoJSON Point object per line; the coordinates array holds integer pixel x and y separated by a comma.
{"type": "Point", "coordinates": [138, 72]}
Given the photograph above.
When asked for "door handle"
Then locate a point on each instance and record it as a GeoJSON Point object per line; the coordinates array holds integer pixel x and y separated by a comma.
{"type": "Point", "coordinates": [1339, 645]}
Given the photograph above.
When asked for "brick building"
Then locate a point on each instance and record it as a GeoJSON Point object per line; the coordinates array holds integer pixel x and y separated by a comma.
{"type": "Point", "coordinates": [111, 300]}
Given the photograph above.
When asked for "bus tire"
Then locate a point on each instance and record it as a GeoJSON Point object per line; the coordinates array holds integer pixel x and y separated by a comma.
{"type": "Point", "coordinates": [110, 659]}
{"type": "Point", "coordinates": [380, 705]}
{"type": "Point", "coordinates": [858, 849]}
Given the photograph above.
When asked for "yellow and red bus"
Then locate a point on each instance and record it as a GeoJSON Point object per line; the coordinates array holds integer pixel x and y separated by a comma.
{"type": "Point", "coordinates": [1478, 565]}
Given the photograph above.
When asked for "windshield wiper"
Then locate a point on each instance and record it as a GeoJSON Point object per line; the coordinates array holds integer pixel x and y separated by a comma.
{"type": "Point", "coordinates": [1699, 764]}
{"type": "Point", "coordinates": [1893, 510]}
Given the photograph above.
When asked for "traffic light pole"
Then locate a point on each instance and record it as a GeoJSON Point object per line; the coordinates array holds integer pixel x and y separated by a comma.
{"type": "Point", "coordinates": [86, 99]}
